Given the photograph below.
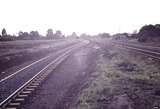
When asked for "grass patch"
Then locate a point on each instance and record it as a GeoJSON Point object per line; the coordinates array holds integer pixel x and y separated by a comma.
{"type": "Point", "coordinates": [122, 81]}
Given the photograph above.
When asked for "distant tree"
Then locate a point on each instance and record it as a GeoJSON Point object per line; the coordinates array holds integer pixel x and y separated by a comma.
{"type": "Point", "coordinates": [74, 35]}
{"type": "Point", "coordinates": [20, 34]}
{"type": "Point", "coordinates": [26, 34]}
{"type": "Point", "coordinates": [84, 35]}
{"type": "Point", "coordinates": [58, 35]}
{"type": "Point", "coordinates": [50, 33]}
{"type": "Point", "coordinates": [23, 35]}
{"type": "Point", "coordinates": [104, 35]}
{"type": "Point", "coordinates": [4, 33]}
{"type": "Point", "coordinates": [157, 26]}
{"type": "Point", "coordinates": [34, 34]}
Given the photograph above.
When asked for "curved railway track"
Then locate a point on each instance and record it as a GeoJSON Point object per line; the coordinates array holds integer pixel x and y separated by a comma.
{"type": "Point", "coordinates": [150, 51]}
{"type": "Point", "coordinates": [22, 90]}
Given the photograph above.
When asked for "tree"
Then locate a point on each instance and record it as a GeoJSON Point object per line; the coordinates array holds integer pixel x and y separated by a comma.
{"type": "Point", "coordinates": [58, 34]}
{"type": "Point", "coordinates": [20, 34]}
{"type": "Point", "coordinates": [4, 33]}
{"type": "Point", "coordinates": [74, 35]}
{"type": "Point", "coordinates": [50, 33]}
{"type": "Point", "coordinates": [149, 33]}
{"type": "Point", "coordinates": [84, 36]}
{"type": "Point", "coordinates": [157, 26]}
{"type": "Point", "coordinates": [23, 35]}
{"type": "Point", "coordinates": [34, 34]}
{"type": "Point", "coordinates": [104, 35]}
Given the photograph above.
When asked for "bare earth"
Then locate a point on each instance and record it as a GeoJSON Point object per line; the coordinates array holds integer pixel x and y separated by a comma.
{"type": "Point", "coordinates": [63, 86]}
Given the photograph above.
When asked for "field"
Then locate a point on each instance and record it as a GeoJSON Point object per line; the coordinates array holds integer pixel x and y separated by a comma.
{"type": "Point", "coordinates": [14, 53]}
{"type": "Point", "coordinates": [11, 47]}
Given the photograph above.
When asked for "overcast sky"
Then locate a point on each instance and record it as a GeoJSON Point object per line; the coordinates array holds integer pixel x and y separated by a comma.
{"type": "Point", "coordinates": [80, 16]}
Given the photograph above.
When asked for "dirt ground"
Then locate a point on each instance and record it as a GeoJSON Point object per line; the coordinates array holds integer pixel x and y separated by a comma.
{"type": "Point", "coordinates": [60, 90]}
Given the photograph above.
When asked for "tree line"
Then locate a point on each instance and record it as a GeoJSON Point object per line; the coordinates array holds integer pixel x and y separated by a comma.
{"type": "Point", "coordinates": [50, 35]}
{"type": "Point", "coordinates": [33, 35]}
{"type": "Point", "coordinates": [147, 33]}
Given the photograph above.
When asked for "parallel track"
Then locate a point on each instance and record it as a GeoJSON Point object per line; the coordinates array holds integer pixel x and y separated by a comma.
{"type": "Point", "coordinates": [18, 97]}
{"type": "Point", "coordinates": [150, 51]}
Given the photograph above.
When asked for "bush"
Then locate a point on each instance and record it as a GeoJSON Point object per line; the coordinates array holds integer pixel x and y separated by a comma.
{"type": "Point", "coordinates": [149, 33]}
{"type": "Point", "coordinates": [8, 38]}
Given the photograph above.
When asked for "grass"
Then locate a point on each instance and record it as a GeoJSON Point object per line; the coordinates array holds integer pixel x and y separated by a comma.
{"type": "Point", "coordinates": [13, 53]}
{"type": "Point", "coordinates": [123, 80]}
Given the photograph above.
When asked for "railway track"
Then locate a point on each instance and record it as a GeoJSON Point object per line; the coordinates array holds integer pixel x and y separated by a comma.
{"type": "Point", "coordinates": [14, 99]}
{"type": "Point", "coordinates": [150, 51]}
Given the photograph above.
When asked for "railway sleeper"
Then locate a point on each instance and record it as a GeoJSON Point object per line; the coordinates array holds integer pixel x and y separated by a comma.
{"type": "Point", "coordinates": [27, 91]}
{"type": "Point", "coordinates": [13, 105]}
{"type": "Point", "coordinates": [19, 100]}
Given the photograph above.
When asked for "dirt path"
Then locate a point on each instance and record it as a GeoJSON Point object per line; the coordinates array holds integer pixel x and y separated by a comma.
{"type": "Point", "coordinates": [62, 87]}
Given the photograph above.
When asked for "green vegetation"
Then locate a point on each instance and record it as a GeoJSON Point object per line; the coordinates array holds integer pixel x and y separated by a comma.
{"type": "Point", "coordinates": [122, 81]}
{"type": "Point", "coordinates": [149, 33]}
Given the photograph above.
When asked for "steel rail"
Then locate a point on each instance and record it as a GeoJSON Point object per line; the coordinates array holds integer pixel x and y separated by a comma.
{"type": "Point", "coordinates": [40, 74]}
{"type": "Point", "coordinates": [140, 46]}
{"type": "Point", "coordinates": [147, 52]}
{"type": "Point", "coordinates": [33, 63]}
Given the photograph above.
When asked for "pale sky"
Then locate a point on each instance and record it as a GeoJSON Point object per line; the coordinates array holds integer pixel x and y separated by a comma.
{"type": "Point", "coordinates": [80, 16]}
